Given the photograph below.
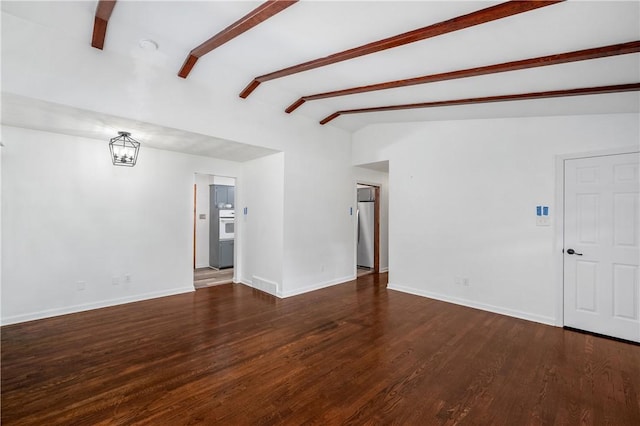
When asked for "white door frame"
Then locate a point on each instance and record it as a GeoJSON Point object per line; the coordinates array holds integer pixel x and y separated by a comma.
{"type": "Point", "coordinates": [559, 219]}
{"type": "Point", "coordinates": [355, 225]}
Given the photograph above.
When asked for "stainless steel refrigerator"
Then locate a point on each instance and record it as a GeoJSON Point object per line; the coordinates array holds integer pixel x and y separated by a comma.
{"type": "Point", "coordinates": [365, 215]}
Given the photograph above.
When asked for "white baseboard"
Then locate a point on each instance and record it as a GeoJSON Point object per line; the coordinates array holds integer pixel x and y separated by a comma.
{"type": "Point", "coordinates": [386, 269]}
{"type": "Point", "coordinates": [96, 305]}
{"type": "Point", "coordinates": [318, 286]}
{"type": "Point", "coordinates": [257, 283]}
{"type": "Point", "coordinates": [265, 285]}
{"type": "Point", "coordinates": [477, 305]}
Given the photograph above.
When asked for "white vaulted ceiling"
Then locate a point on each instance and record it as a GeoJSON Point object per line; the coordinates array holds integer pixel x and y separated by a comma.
{"type": "Point", "coordinates": [310, 29]}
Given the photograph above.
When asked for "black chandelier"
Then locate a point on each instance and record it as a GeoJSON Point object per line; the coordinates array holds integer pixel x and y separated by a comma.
{"type": "Point", "coordinates": [124, 150]}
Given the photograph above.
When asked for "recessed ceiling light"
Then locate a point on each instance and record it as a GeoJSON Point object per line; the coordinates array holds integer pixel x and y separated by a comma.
{"type": "Point", "coordinates": [147, 44]}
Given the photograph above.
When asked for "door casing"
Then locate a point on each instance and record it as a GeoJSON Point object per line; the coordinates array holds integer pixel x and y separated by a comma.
{"type": "Point", "coordinates": [376, 231]}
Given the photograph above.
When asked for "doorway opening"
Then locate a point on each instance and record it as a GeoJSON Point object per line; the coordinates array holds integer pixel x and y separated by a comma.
{"type": "Point", "coordinates": [367, 229]}
{"type": "Point", "coordinates": [213, 230]}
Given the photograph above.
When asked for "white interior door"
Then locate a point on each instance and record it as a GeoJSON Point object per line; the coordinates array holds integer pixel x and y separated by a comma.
{"type": "Point", "coordinates": [601, 238]}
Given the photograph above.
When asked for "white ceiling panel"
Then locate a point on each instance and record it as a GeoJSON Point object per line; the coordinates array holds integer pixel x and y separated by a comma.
{"type": "Point", "coordinates": [579, 105]}
{"type": "Point", "coordinates": [312, 29]}
{"type": "Point", "coordinates": [19, 111]}
{"type": "Point", "coordinates": [596, 72]}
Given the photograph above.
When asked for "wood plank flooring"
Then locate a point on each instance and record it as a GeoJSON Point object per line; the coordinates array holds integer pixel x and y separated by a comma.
{"type": "Point", "coordinates": [363, 271]}
{"type": "Point", "coordinates": [206, 277]}
{"type": "Point", "coordinates": [354, 354]}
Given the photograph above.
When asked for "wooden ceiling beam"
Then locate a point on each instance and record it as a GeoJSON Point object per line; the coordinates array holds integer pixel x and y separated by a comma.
{"type": "Point", "coordinates": [250, 20]}
{"type": "Point", "coordinates": [490, 99]}
{"type": "Point", "coordinates": [482, 16]}
{"type": "Point", "coordinates": [103, 13]}
{"type": "Point", "coordinates": [562, 58]}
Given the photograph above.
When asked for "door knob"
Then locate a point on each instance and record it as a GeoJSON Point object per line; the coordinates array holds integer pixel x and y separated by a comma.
{"type": "Point", "coordinates": [572, 251]}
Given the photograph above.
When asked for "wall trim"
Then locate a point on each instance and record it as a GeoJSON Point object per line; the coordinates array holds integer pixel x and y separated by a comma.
{"type": "Point", "coordinates": [385, 269]}
{"type": "Point", "coordinates": [559, 219]}
{"type": "Point", "coordinates": [476, 305]}
{"type": "Point", "coordinates": [246, 283]}
{"type": "Point", "coordinates": [256, 286]}
{"type": "Point", "coordinates": [318, 286]}
{"type": "Point", "coordinates": [48, 313]}
{"type": "Point", "coordinates": [264, 285]}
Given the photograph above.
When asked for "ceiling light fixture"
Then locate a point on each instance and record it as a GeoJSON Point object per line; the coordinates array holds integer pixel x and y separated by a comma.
{"type": "Point", "coordinates": [124, 150]}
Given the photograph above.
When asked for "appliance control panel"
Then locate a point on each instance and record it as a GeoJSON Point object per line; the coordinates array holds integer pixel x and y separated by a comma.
{"type": "Point", "coordinates": [227, 214]}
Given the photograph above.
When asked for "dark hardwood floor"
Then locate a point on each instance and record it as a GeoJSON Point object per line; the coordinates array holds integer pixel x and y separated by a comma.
{"type": "Point", "coordinates": [355, 353]}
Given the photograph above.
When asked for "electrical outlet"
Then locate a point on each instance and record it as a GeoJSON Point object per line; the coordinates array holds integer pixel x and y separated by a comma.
{"type": "Point", "coordinates": [462, 281]}
{"type": "Point", "coordinates": [80, 285]}
{"type": "Point", "coordinates": [127, 278]}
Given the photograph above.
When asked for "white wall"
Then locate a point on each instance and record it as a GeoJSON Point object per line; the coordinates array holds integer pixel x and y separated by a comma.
{"type": "Point", "coordinates": [202, 225]}
{"type": "Point", "coordinates": [261, 229]}
{"type": "Point", "coordinates": [317, 246]}
{"type": "Point", "coordinates": [1, 148]}
{"type": "Point", "coordinates": [318, 229]}
{"type": "Point", "coordinates": [222, 180]}
{"type": "Point", "coordinates": [368, 176]}
{"type": "Point", "coordinates": [70, 216]}
{"type": "Point", "coordinates": [463, 204]}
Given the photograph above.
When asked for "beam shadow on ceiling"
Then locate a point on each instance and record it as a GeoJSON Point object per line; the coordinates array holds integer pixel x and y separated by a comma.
{"type": "Point", "coordinates": [562, 58]}
{"type": "Point", "coordinates": [502, 98]}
